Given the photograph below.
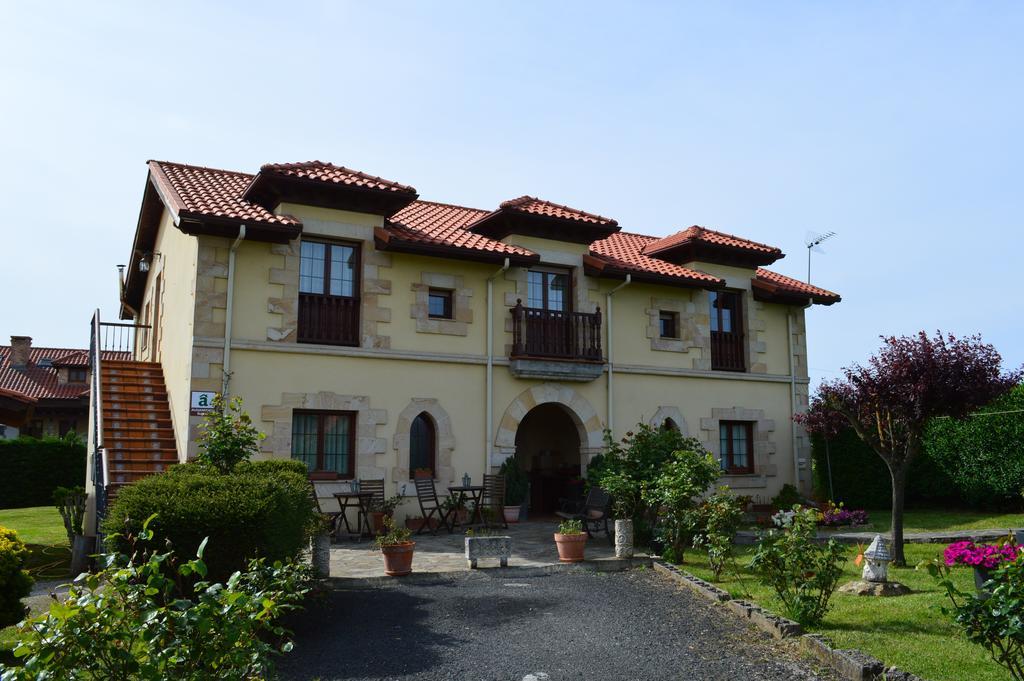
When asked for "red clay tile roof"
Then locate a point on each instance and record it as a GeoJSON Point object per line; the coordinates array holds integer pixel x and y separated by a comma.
{"type": "Point", "coordinates": [708, 236]}
{"type": "Point", "coordinates": [530, 204]}
{"type": "Point", "coordinates": [442, 224]}
{"type": "Point", "coordinates": [625, 251]}
{"type": "Point", "coordinates": [784, 284]}
{"type": "Point", "coordinates": [200, 192]}
{"type": "Point", "coordinates": [40, 382]}
{"type": "Point", "coordinates": [328, 172]}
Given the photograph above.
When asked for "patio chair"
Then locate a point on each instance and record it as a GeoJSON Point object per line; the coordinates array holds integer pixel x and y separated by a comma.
{"type": "Point", "coordinates": [594, 513]}
{"type": "Point", "coordinates": [323, 492]}
{"type": "Point", "coordinates": [426, 493]}
{"type": "Point", "coordinates": [493, 500]}
{"type": "Point", "coordinates": [377, 488]}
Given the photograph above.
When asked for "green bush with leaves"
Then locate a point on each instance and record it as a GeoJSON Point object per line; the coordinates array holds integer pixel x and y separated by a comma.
{"type": "Point", "coordinates": [629, 468]}
{"type": "Point", "coordinates": [717, 520]}
{"type": "Point", "coordinates": [70, 503]}
{"type": "Point", "coordinates": [227, 436]}
{"type": "Point", "coordinates": [995, 619]}
{"type": "Point", "coordinates": [262, 509]}
{"type": "Point", "coordinates": [517, 484]}
{"type": "Point", "coordinates": [133, 620]}
{"type": "Point", "coordinates": [674, 495]}
{"type": "Point", "coordinates": [15, 582]}
{"type": "Point", "coordinates": [803, 573]}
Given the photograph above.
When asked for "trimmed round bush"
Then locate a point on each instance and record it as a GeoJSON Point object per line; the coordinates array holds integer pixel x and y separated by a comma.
{"type": "Point", "coordinates": [262, 509]}
{"type": "Point", "coordinates": [15, 582]}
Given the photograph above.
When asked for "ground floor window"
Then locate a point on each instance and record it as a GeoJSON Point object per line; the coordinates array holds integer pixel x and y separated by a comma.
{"type": "Point", "coordinates": [736, 446]}
{"type": "Point", "coordinates": [325, 441]}
{"type": "Point", "coordinates": [422, 446]}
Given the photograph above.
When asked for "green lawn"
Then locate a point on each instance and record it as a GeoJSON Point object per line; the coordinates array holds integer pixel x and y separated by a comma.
{"type": "Point", "coordinates": [940, 520]}
{"type": "Point", "coordinates": [42, 529]}
{"type": "Point", "coordinates": [908, 631]}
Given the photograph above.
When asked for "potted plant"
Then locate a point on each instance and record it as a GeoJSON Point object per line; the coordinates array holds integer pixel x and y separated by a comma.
{"type": "Point", "coordinates": [397, 549]}
{"type": "Point", "coordinates": [571, 540]}
{"type": "Point", "coordinates": [984, 558]}
{"type": "Point", "coordinates": [70, 503]}
{"type": "Point", "coordinates": [516, 486]}
{"type": "Point", "coordinates": [380, 510]}
{"type": "Point", "coordinates": [485, 543]}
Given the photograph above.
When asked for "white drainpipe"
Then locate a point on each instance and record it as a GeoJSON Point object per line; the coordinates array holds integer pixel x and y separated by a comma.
{"type": "Point", "coordinates": [608, 314]}
{"type": "Point", "coordinates": [792, 399]}
{"type": "Point", "coordinates": [488, 438]}
{"type": "Point", "coordinates": [228, 312]}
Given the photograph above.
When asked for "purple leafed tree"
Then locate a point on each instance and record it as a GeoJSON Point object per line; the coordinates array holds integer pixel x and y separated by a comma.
{"type": "Point", "coordinates": [888, 402]}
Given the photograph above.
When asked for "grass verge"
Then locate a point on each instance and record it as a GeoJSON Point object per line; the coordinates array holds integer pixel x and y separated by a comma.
{"type": "Point", "coordinates": [907, 631]}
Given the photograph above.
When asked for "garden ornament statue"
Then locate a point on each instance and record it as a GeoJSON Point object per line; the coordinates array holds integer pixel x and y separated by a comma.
{"type": "Point", "coordinates": [876, 561]}
{"type": "Point", "coordinates": [874, 575]}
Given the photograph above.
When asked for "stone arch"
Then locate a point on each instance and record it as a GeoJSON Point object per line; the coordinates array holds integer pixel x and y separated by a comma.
{"type": "Point", "coordinates": [583, 415]}
{"type": "Point", "coordinates": [445, 439]}
{"type": "Point", "coordinates": [664, 413]}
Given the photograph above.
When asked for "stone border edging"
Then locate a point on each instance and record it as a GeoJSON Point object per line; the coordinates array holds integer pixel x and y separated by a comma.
{"type": "Point", "coordinates": [853, 536]}
{"type": "Point", "coordinates": [851, 664]}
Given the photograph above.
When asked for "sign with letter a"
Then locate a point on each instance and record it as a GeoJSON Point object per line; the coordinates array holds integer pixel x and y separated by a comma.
{"type": "Point", "coordinates": [202, 402]}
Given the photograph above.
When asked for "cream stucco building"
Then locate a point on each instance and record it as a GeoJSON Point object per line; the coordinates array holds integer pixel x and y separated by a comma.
{"type": "Point", "coordinates": [370, 333]}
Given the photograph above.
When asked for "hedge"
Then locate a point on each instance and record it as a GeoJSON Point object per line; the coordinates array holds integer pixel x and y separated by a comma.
{"type": "Point", "coordinates": [31, 469]}
{"type": "Point", "coordinates": [975, 462]}
{"type": "Point", "coordinates": [984, 453]}
{"type": "Point", "coordinates": [262, 509]}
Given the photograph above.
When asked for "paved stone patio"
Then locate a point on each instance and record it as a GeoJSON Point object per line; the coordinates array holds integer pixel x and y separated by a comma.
{"type": "Point", "coordinates": [532, 546]}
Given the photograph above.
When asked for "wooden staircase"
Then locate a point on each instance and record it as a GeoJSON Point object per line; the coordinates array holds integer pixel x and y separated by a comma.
{"type": "Point", "coordinates": [137, 432]}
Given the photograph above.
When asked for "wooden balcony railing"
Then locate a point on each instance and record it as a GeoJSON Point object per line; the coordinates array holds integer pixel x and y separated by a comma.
{"type": "Point", "coordinates": [727, 353]}
{"type": "Point", "coordinates": [331, 320]}
{"type": "Point", "coordinates": [556, 335]}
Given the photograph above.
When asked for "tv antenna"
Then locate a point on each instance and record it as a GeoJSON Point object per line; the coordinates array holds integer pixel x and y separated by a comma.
{"type": "Point", "coordinates": [813, 243]}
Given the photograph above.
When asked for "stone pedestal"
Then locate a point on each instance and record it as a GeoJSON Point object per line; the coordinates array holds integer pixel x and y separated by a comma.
{"type": "Point", "coordinates": [862, 587]}
{"type": "Point", "coordinates": [623, 538]}
{"type": "Point", "coordinates": [322, 555]}
{"type": "Point", "coordinates": [488, 547]}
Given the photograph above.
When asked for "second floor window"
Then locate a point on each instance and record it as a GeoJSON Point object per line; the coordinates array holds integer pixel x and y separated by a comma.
{"type": "Point", "coordinates": [329, 293]}
{"type": "Point", "coordinates": [547, 290]}
{"type": "Point", "coordinates": [668, 324]}
{"type": "Point", "coordinates": [727, 352]}
{"type": "Point", "coordinates": [439, 303]}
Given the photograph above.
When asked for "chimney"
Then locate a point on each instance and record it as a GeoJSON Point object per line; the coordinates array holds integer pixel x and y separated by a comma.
{"type": "Point", "coordinates": [20, 347]}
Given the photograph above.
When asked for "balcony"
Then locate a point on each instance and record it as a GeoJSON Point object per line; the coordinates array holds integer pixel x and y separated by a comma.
{"type": "Point", "coordinates": [331, 320]}
{"type": "Point", "coordinates": [727, 352]}
{"type": "Point", "coordinates": [557, 345]}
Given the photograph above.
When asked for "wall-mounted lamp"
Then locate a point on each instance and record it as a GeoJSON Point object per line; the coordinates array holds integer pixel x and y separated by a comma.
{"type": "Point", "coordinates": [146, 261]}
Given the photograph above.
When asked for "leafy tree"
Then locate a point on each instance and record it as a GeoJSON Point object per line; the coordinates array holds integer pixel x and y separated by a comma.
{"type": "Point", "coordinates": [911, 380]}
{"type": "Point", "coordinates": [227, 436]}
{"type": "Point", "coordinates": [687, 475]}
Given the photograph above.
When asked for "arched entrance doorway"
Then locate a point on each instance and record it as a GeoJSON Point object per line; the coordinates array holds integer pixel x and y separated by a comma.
{"type": "Point", "coordinates": [548, 449]}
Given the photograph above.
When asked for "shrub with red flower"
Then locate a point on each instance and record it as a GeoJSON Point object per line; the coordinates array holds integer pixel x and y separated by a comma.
{"type": "Point", "coordinates": [837, 516]}
{"type": "Point", "coordinates": [986, 556]}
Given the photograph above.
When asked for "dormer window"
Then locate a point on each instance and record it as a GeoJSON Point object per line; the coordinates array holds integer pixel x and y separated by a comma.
{"type": "Point", "coordinates": [548, 290]}
{"type": "Point", "coordinates": [329, 293]}
{"type": "Point", "coordinates": [77, 376]}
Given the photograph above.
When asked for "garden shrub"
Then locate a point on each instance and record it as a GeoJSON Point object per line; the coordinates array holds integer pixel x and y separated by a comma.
{"type": "Point", "coordinates": [261, 509]}
{"type": "Point", "coordinates": [70, 504]}
{"type": "Point", "coordinates": [717, 520]}
{"type": "Point", "coordinates": [631, 466]}
{"type": "Point", "coordinates": [994, 620]}
{"type": "Point", "coordinates": [227, 436]}
{"type": "Point", "coordinates": [801, 572]}
{"type": "Point", "coordinates": [15, 582]}
{"type": "Point", "coordinates": [983, 453]}
{"type": "Point", "coordinates": [31, 469]}
{"type": "Point", "coordinates": [133, 621]}
{"type": "Point", "coordinates": [683, 478]}
{"type": "Point", "coordinates": [788, 497]}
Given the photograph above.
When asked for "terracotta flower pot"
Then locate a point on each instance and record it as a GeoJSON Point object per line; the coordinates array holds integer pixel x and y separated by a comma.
{"type": "Point", "coordinates": [398, 558]}
{"type": "Point", "coordinates": [570, 547]}
{"type": "Point", "coordinates": [511, 514]}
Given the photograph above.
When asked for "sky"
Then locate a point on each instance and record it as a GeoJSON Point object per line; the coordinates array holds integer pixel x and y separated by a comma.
{"type": "Point", "coordinates": [897, 125]}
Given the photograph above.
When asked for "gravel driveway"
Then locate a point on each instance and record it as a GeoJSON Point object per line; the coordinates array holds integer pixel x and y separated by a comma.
{"type": "Point", "coordinates": [532, 626]}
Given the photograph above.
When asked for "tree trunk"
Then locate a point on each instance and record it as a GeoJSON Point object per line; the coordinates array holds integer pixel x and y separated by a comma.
{"type": "Point", "coordinates": [899, 493]}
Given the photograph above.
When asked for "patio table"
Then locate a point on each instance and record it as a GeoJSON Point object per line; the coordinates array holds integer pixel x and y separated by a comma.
{"type": "Point", "coordinates": [357, 500]}
{"type": "Point", "coordinates": [475, 494]}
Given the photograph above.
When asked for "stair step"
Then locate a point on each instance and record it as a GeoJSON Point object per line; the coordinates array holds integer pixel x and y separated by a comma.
{"type": "Point", "coordinates": [137, 444]}
{"type": "Point", "coordinates": [114, 431]}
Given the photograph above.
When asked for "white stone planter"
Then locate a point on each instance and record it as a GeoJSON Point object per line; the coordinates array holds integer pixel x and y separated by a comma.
{"type": "Point", "coordinates": [623, 538]}
{"type": "Point", "coordinates": [488, 547]}
{"type": "Point", "coordinates": [322, 555]}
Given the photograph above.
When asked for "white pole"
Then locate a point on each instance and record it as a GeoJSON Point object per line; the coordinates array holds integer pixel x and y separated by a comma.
{"type": "Point", "coordinates": [608, 314]}
{"type": "Point", "coordinates": [488, 437]}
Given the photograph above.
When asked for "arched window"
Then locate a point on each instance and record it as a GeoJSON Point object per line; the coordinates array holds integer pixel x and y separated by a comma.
{"type": "Point", "coordinates": [422, 445]}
